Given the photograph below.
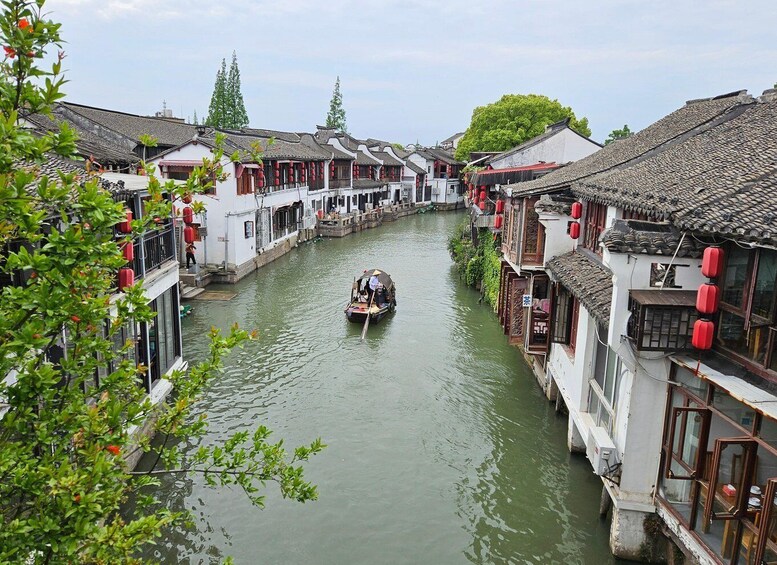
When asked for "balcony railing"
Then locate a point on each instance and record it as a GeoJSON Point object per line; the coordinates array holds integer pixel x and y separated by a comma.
{"type": "Point", "coordinates": [158, 247]}
{"type": "Point", "coordinates": [539, 336]}
{"type": "Point", "coordinates": [339, 183]}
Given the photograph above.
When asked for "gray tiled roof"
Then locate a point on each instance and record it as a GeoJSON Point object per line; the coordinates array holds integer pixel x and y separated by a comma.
{"type": "Point", "coordinates": [367, 183]}
{"type": "Point", "coordinates": [279, 149]}
{"type": "Point", "coordinates": [651, 238]}
{"type": "Point", "coordinates": [441, 155]}
{"type": "Point", "coordinates": [364, 159]}
{"type": "Point", "coordinates": [721, 181]}
{"type": "Point", "coordinates": [88, 144]}
{"type": "Point", "coordinates": [587, 280]}
{"type": "Point", "coordinates": [389, 159]}
{"type": "Point", "coordinates": [415, 168]}
{"type": "Point", "coordinates": [684, 121]}
{"type": "Point", "coordinates": [167, 132]}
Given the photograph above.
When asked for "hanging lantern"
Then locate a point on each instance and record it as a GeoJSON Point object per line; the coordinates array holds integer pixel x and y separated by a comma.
{"type": "Point", "coordinates": [188, 234]}
{"type": "Point", "coordinates": [707, 298]}
{"type": "Point", "coordinates": [498, 221]}
{"type": "Point", "coordinates": [482, 205]}
{"type": "Point", "coordinates": [323, 167]}
{"type": "Point", "coordinates": [126, 277]}
{"type": "Point", "coordinates": [126, 225]}
{"type": "Point", "coordinates": [188, 215]}
{"type": "Point", "coordinates": [128, 252]}
{"type": "Point", "coordinates": [703, 333]}
{"type": "Point", "coordinates": [482, 195]}
{"type": "Point", "coordinates": [574, 230]}
{"type": "Point", "coordinates": [500, 206]}
{"type": "Point", "coordinates": [187, 198]}
{"type": "Point", "coordinates": [277, 170]}
{"type": "Point", "coordinates": [712, 262]}
{"type": "Point", "coordinates": [577, 210]}
{"type": "Point", "coordinates": [332, 169]}
{"type": "Point", "coordinates": [261, 178]}
{"type": "Point", "coordinates": [302, 170]}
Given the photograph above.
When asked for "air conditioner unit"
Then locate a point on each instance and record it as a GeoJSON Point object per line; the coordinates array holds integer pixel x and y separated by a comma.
{"type": "Point", "coordinates": [601, 451]}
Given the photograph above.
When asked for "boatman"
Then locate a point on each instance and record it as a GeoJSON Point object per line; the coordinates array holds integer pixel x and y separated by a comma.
{"type": "Point", "coordinates": [373, 286]}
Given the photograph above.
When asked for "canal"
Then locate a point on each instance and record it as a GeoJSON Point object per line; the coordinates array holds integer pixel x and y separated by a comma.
{"type": "Point", "coordinates": [441, 448]}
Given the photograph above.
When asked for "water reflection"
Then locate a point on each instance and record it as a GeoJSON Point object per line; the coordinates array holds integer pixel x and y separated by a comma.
{"type": "Point", "coordinates": [441, 448]}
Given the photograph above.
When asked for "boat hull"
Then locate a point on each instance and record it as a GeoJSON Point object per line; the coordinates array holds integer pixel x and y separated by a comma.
{"type": "Point", "coordinates": [358, 313]}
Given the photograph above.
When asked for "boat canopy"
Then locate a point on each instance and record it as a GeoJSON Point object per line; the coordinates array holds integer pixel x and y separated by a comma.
{"type": "Point", "coordinates": [383, 277]}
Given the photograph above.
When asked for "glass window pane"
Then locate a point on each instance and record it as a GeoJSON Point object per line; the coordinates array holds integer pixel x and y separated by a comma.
{"type": "Point", "coordinates": [732, 332]}
{"type": "Point", "coordinates": [600, 363]}
{"type": "Point", "coordinates": [740, 413]}
{"type": "Point", "coordinates": [735, 276]}
{"type": "Point", "coordinates": [691, 382]}
{"type": "Point", "coordinates": [768, 431]}
{"type": "Point", "coordinates": [609, 383]}
{"type": "Point", "coordinates": [763, 293]}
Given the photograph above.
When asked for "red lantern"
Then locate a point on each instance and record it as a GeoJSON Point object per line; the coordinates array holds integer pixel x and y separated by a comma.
{"type": "Point", "coordinates": [320, 214]}
{"type": "Point", "coordinates": [482, 205]}
{"type": "Point", "coordinates": [703, 332]}
{"type": "Point", "coordinates": [574, 230]}
{"type": "Point", "coordinates": [712, 262]}
{"type": "Point", "coordinates": [188, 215]}
{"type": "Point", "coordinates": [500, 206]}
{"type": "Point", "coordinates": [577, 210]}
{"type": "Point", "coordinates": [128, 252]}
{"type": "Point", "coordinates": [482, 195]}
{"type": "Point", "coordinates": [498, 222]}
{"type": "Point", "coordinates": [126, 277]}
{"type": "Point", "coordinates": [261, 178]}
{"type": "Point", "coordinates": [188, 234]}
{"type": "Point", "coordinates": [332, 169]}
{"type": "Point", "coordinates": [277, 173]}
{"type": "Point", "coordinates": [707, 298]}
{"type": "Point", "coordinates": [126, 225]}
{"type": "Point", "coordinates": [187, 198]}
{"type": "Point", "coordinates": [302, 170]}
{"type": "Point", "coordinates": [323, 166]}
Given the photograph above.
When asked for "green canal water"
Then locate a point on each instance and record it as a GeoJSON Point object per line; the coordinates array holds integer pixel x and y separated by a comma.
{"type": "Point", "coordinates": [441, 448]}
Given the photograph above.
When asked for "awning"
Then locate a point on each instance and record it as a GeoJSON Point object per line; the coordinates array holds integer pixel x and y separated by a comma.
{"type": "Point", "coordinates": [506, 176]}
{"type": "Point", "coordinates": [179, 163]}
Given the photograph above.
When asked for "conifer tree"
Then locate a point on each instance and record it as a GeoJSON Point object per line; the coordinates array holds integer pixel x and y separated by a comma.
{"type": "Point", "coordinates": [336, 116]}
{"type": "Point", "coordinates": [194, 120]}
{"type": "Point", "coordinates": [236, 114]}
{"type": "Point", "coordinates": [218, 100]}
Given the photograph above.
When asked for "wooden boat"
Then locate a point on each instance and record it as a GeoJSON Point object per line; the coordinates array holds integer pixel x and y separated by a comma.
{"type": "Point", "coordinates": [366, 302]}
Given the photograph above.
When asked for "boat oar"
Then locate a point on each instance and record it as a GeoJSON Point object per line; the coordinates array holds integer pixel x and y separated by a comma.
{"type": "Point", "coordinates": [367, 321]}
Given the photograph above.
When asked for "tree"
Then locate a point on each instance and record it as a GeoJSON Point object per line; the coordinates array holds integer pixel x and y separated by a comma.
{"type": "Point", "coordinates": [618, 134]}
{"type": "Point", "coordinates": [513, 119]}
{"type": "Point", "coordinates": [217, 111]}
{"type": "Point", "coordinates": [236, 110]}
{"type": "Point", "coordinates": [335, 118]}
{"type": "Point", "coordinates": [194, 119]}
{"type": "Point", "coordinates": [66, 495]}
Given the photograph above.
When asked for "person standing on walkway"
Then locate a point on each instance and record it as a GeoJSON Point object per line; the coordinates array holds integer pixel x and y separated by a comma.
{"type": "Point", "coordinates": [190, 255]}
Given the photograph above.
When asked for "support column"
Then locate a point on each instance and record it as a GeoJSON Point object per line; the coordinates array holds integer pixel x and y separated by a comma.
{"type": "Point", "coordinates": [575, 442]}
{"type": "Point", "coordinates": [636, 535]}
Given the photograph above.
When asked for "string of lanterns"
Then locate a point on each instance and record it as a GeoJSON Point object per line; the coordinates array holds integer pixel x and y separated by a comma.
{"type": "Point", "coordinates": [708, 298]}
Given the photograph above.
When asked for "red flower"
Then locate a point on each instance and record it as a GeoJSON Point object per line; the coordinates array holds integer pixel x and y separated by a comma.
{"type": "Point", "coordinates": [115, 449]}
{"type": "Point", "coordinates": [10, 52]}
{"type": "Point", "coordinates": [77, 498]}
{"type": "Point", "coordinates": [75, 318]}
{"type": "Point", "coordinates": [24, 24]}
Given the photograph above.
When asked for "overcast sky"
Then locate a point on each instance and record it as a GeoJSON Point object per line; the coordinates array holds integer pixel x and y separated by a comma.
{"type": "Point", "coordinates": [413, 70]}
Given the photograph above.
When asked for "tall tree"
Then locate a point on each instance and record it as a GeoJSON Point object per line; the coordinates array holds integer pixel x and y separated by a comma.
{"type": "Point", "coordinates": [217, 111]}
{"type": "Point", "coordinates": [513, 119]}
{"type": "Point", "coordinates": [194, 119]}
{"type": "Point", "coordinates": [335, 118]}
{"type": "Point", "coordinates": [618, 134]}
{"type": "Point", "coordinates": [68, 378]}
{"type": "Point", "coordinates": [236, 116]}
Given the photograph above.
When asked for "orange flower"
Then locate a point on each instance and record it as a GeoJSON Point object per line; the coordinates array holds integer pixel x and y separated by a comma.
{"type": "Point", "coordinates": [75, 318]}
{"type": "Point", "coordinates": [24, 24]}
{"type": "Point", "coordinates": [115, 449]}
{"type": "Point", "coordinates": [10, 52]}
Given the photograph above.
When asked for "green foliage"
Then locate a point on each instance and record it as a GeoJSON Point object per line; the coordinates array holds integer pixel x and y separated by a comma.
{"type": "Point", "coordinates": [217, 111]}
{"type": "Point", "coordinates": [513, 119]}
{"type": "Point", "coordinates": [618, 134]}
{"type": "Point", "coordinates": [227, 108]}
{"type": "Point", "coordinates": [237, 117]}
{"type": "Point", "coordinates": [398, 146]}
{"type": "Point", "coordinates": [335, 118]}
{"type": "Point", "coordinates": [66, 494]}
{"type": "Point", "coordinates": [195, 119]}
{"type": "Point", "coordinates": [478, 265]}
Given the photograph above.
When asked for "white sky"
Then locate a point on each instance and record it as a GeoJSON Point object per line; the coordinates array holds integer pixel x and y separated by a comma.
{"type": "Point", "coordinates": [413, 70]}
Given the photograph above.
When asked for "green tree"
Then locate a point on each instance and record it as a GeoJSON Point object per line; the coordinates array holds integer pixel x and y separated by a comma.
{"type": "Point", "coordinates": [236, 116]}
{"type": "Point", "coordinates": [217, 111]}
{"type": "Point", "coordinates": [618, 134]}
{"type": "Point", "coordinates": [194, 119]}
{"type": "Point", "coordinates": [66, 495]}
{"type": "Point", "coordinates": [513, 119]}
{"type": "Point", "coordinates": [335, 118]}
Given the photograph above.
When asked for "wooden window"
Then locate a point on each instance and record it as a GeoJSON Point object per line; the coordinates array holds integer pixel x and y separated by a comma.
{"type": "Point", "coordinates": [747, 323]}
{"type": "Point", "coordinates": [562, 316]}
{"type": "Point", "coordinates": [661, 321]}
{"type": "Point", "coordinates": [533, 235]}
{"type": "Point", "coordinates": [573, 329]}
{"type": "Point", "coordinates": [595, 220]}
{"type": "Point", "coordinates": [244, 183]}
{"type": "Point", "coordinates": [179, 172]}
